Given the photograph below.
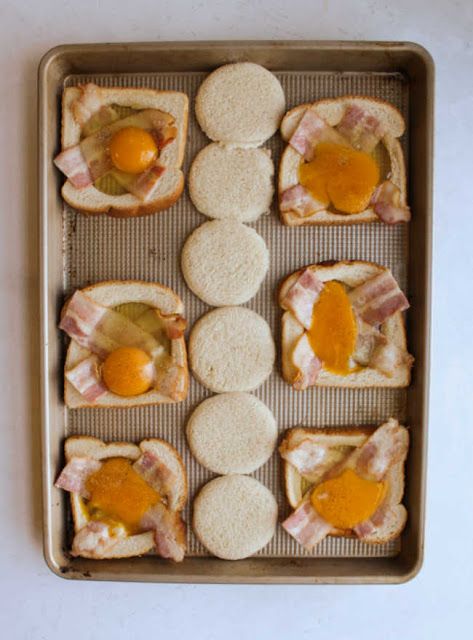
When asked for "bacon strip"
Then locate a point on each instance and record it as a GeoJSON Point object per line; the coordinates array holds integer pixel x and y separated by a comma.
{"type": "Point", "coordinates": [102, 330]}
{"type": "Point", "coordinates": [386, 203]}
{"type": "Point", "coordinates": [361, 129]}
{"type": "Point", "coordinates": [311, 130]}
{"type": "Point", "coordinates": [74, 475]}
{"type": "Point", "coordinates": [159, 476]}
{"type": "Point", "coordinates": [300, 201]}
{"type": "Point", "coordinates": [378, 298]}
{"type": "Point", "coordinates": [73, 164]}
{"type": "Point", "coordinates": [145, 183]}
{"type": "Point", "coordinates": [384, 448]}
{"type": "Point", "coordinates": [85, 377]}
{"type": "Point", "coordinates": [174, 325]}
{"type": "Point", "coordinates": [302, 296]}
{"type": "Point", "coordinates": [95, 539]}
{"type": "Point", "coordinates": [387, 357]}
{"type": "Point", "coordinates": [103, 117]}
{"type": "Point", "coordinates": [306, 526]}
{"type": "Point", "coordinates": [307, 364]}
{"type": "Point", "coordinates": [307, 456]}
{"type": "Point", "coordinates": [169, 531]}
{"type": "Point", "coordinates": [170, 380]}
{"type": "Point", "coordinates": [88, 103]}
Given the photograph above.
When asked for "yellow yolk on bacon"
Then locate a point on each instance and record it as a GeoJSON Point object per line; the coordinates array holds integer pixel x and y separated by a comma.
{"type": "Point", "coordinates": [340, 175]}
{"type": "Point", "coordinates": [128, 371]}
{"type": "Point", "coordinates": [133, 150]}
{"type": "Point", "coordinates": [332, 334]}
{"type": "Point", "coordinates": [347, 500]}
{"type": "Point", "coordinates": [119, 494]}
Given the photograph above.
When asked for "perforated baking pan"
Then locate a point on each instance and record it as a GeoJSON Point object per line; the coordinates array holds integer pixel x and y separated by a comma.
{"type": "Point", "coordinates": [77, 250]}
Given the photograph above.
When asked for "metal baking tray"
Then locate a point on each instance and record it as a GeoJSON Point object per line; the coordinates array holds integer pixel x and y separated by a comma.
{"type": "Point", "coordinates": [77, 250]}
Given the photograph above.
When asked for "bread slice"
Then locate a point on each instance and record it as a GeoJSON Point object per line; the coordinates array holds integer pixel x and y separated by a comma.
{"type": "Point", "coordinates": [350, 273]}
{"type": "Point", "coordinates": [342, 442]}
{"type": "Point", "coordinates": [86, 446]}
{"type": "Point", "coordinates": [112, 294]}
{"type": "Point", "coordinates": [388, 154]}
{"type": "Point", "coordinates": [92, 201]}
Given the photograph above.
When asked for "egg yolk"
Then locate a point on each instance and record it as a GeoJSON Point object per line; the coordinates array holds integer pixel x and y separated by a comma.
{"type": "Point", "coordinates": [133, 150]}
{"type": "Point", "coordinates": [347, 500]}
{"type": "Point", "coordinates": [128, 371]}
{"type": "Point", "coordinates": [332, 334]}
{"type": "Point", "coordinates": [118, 493]}
{"type": "Point", "coordinates": [340, 175]}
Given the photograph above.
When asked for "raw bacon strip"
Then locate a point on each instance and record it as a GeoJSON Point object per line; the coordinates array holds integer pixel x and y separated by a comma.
{"type": "Point", "coordinates": [378, 298]}
{"type": "Point", "coordinates": [88, 103]}
{"type": "Point", "coordinates": [73, 164]}
{"type": "Point", "coordinates": [102, 330]}
{"type": "Point", "coordinates": [307, 364]}
{"type": "Point", "coordinates": [157, 475]}
{"type": "Point", "coordinates": [300, 201]}
{"type": "Point", "coordinates": [306, 456]}
{"type": "Point", "coordinates": [386, 203]}
{"type": "Point", "coordinates": [361, 129]}
{"type": "Point", "coordinates": [85, 377]}
{"type": "Point", "coordinates": [306, 526]}
{"type": "Point", "coordinates": [368, 527]}
{"type": "Point", "coordinates": [311, 130]}
{"type": "Point", "coordinates": [169, 531]}
{"type": "Point", "coordinates": [387, 446]}
{"type": "Point", "coordinates": [368, 339]}
{"type": "Point", "coordinates": [74, 475]}
{"type": "Point", "coordinates": [96, 540]}
{"type": "Point", "coordinates": [170, 380]}
{"type": "Point", "coordinates": [302, 296]}
{"type": "Point", "coordinates": [144, 185]}
{"type": "Point", "coordinates": [387, 357]}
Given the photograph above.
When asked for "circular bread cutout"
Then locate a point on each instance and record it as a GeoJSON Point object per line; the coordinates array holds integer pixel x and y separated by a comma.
{"type": "Point", "coordinates": [240, 104]}
{"type": "Point", "coordinates": [232, 433]}
{"type": "Point", "coordinates": [231, 349]}
{"type": "Point", "coordinates": [234, 184]}
{"type": "Point", "coordinates": [224, 262]}
{"type": "Point", "coordinates": [234, 516]}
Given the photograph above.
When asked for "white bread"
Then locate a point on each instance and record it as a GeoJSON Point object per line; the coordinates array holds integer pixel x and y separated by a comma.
{"type": "Point", "coordinates": [224, 262]}
{"type": "Point", "coordinates": [234, 516]}
{"type": "Point", "coordinates": [232, 433]}
{"type": "Point", "coordinates": [231, 349]}
{"type": "Point", "coordinates": [342, 443]}
{"type": "Point", "coordinates": [388, 154]}
{"type": "Point", "coordinates": [350, 273]}
{"type": "Point", "coordinates": [92, 201]}
{"type": "Point", "coordinates": [232, 184]}
{"type": "Point", "coordinates": [131, 545]}
{"type": "Point", "coordinates": [240, 104]}
{"type": "Point", "coordinates": [111, 294]}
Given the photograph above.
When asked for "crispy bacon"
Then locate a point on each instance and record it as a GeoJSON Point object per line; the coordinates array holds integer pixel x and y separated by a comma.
{"type": "Point", "coordinates": [386, 203]}
{"type": "Point", "coordinates": [74, 475]}
{"type": "Point", "coordinates": [85, 377]}
{"type": "Point", "coordinates": [302, 296]}
{"type": "Point", "coordinates": [360, 128]}
{"type": "Point", "coordinates": [96, 539]}
{"type": "Point", "coordinates": [159, 476]}
{"type": "Point", "coordinates": [307, 364]}
{"type": "Point", "coordinates": [378, 298]}
{"type": "Point", "coordinates": [306, 526]}
{"type": "Point", "coordinates": [311, 130]}
{"type": "Point", "coordinates": [169, 531]}
{"type": "Point", "coordinates": [300, 201]}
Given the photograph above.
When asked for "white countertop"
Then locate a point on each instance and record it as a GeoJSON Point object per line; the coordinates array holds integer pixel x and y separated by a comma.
{"type": "Point", "coordinates": [36, 604]}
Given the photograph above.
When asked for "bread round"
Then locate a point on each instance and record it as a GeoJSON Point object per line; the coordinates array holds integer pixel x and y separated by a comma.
{"type": "Point", "coordinates": [231, 349]}
{"type": "Point", "coordinates": [224, 262]}
{"type": "Point", "coordinates": [232, 184]}
{"type": "Point", "coordinates": [240, 104]}
{"type": "Point", "coordinates": [232, 433]}
{"type": "Point", "coordinates": [234, 516]}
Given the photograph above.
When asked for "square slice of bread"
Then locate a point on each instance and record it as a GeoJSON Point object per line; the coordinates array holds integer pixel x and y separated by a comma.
{"type": "Point", "coordinates": [170, 186]}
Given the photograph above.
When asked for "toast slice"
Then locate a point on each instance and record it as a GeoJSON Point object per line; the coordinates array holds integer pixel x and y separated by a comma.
{"type": "Point", "coordinates": [91, 200]}
{"type": "Point", "coordinates": [86, 446]}
{"type": "Point", "coordinates": [340, 443]}
{"type": "Point", "coordinates": [114, 293]}
{"type": "Point", "coordinates": [351, 274]}
{"type": "Point", "coordinates": [388, 154]}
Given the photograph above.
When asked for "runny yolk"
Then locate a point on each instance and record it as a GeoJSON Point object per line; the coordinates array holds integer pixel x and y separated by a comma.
{"type": "Point", "coordinates": [347, 500]}
{"type": "Point", "coordinates": [119, 494]}
{"type": "Point", "coordinates": [133, 150]}
{"type": "Point", "coordinates": [340, 175]}
{"type": "Point", "coordinates": [332, 334]}
{"type": "Point", "coordinates": [128, 371]}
